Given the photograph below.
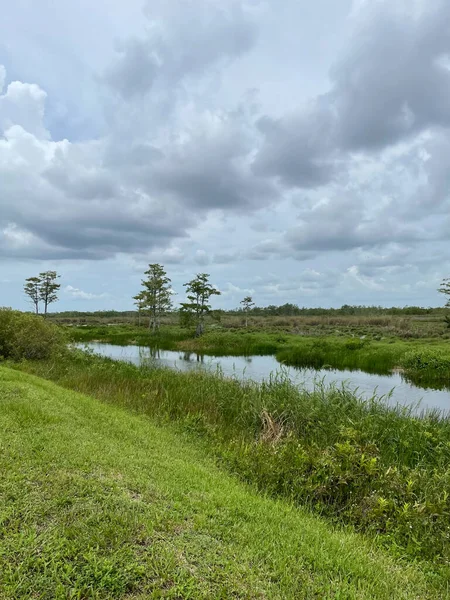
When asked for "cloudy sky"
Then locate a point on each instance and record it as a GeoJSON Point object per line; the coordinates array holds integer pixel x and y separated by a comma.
{"type": "Point", "coordinates": [297, 150]}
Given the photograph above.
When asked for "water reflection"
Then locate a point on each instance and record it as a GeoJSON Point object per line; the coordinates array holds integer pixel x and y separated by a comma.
{"type": "Point", "coordinates": [258, 368]}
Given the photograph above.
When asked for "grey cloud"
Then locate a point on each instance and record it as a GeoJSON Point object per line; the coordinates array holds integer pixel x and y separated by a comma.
{"type": "Point", "coordinates": [81, 179]}
{"type": "Point", "coordinates": [184, 39]}
{"type": "Point", "coordinates": [134, 156]}
{"type": "Point", "coordinates": [108, 228]}
{"type": "Point", "coordinates": [391, 254]}
{"type": "Point", "coordinates": [307, 282]}
{"type": "Point", "coordinates": [327, 234]}
{"type": "Point", "coordinates": [210, 167]}
{"type": "Point", "coordinates": [299, 148]}
{"type": "Point", "coordinates": [44, 211]}
{"type": "Point", "coordinates": [393, 81]}
{"type": "Point", "coordinates": [83, 198]}
{"type": "Point", "coordinates": [212, 184]}
{"type": "Point", "coordinates": [202, 258]}
{"type": "Point", "coordinates": [265, 249]}
{"type": "Point", "coordinates": [135, 70]}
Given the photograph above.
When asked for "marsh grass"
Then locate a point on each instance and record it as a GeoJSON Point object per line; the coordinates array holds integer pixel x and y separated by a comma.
{"type": "Point", "coordinates": [427, 366]}
{"type": "Point", "coordinates": [123, 335]}
{"type": "Point", "coordinates": [382, 470]}
{"type": "Point", "coordinates": [350, 354]}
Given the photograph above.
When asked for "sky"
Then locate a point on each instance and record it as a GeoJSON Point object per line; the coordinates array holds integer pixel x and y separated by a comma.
{"type": "Point", "coordinates": [296, 150]}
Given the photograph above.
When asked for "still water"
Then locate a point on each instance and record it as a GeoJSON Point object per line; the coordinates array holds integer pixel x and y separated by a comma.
{"type": "Point", "coordinates": [257, 368]}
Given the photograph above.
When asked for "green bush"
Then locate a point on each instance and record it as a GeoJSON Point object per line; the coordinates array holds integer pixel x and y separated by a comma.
{"type": "Point", "coordinates": [26, 336]}
{"type": "Point", "coordinates": [355, 344]}
{"type": "Point", "coordinates": [426, 365]}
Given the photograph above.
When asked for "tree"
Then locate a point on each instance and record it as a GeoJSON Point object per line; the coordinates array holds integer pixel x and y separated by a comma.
{"type": "Point", "coordinates": [247, 305]}
{"type": "Point", "coordinates": [445, 289]}
{"type": "Point", "coordinates": [198, 292]}
{"type": "Point", "coordinates": [48, 288]}
{"type": "Point", "coordinates": [140, 304]}
{"type": "Point", "coordinates": [157, 294]}
{"type": "Point", "coordinates": [32, 290]}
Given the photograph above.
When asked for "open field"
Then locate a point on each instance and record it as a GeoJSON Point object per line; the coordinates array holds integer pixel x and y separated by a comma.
{"type": "Point", "coordinates": [100, 503]}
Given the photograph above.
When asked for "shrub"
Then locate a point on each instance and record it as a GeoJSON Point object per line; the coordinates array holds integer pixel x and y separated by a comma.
{"type": "Point", "coordinates": [426, 364]}
{"type": "Point", "coordinates": [355, 344]}
{"type": "Point", "coordinates": [26, 336]}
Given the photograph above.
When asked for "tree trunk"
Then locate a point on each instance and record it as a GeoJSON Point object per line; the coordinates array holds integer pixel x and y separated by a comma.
{"type": "Point", "coordinates": [199, 330]}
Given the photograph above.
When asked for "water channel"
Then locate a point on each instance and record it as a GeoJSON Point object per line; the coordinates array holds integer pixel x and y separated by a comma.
{"type": "Point", "coordinates": [258, 368]}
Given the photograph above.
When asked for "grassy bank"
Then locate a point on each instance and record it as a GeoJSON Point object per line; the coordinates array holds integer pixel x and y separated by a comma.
{"type": "Point", "coordinates": [380, 470]}
{"type": "Point", "coordinates": [100, 503]}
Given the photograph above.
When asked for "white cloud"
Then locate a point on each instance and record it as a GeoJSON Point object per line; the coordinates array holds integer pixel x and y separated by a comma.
{"type": "Point", "coordinates": [2, 77]}
{"type": "Point", "coordinates": [81, 295]}
{"type": "Point", "coordinates": [22, 104]}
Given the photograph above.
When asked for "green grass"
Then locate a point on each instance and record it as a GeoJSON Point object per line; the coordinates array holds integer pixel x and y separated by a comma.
{"type": "Point", "coordinates": [427, 365]}
{"type": "Point", "coordinates": [406, 326]}
{"type": "Point", "coordinates": [125, 335]}
{"type": "Point", "coordinates": [100, 503]}
{"type": "Point", "coordinates": [380, 470]}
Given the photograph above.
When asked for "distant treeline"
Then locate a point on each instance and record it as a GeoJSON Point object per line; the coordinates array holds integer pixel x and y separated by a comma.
{"type": "Point", "coordinates": [97, 313]}
{"type": "Point", "coordinates": [290, 310]}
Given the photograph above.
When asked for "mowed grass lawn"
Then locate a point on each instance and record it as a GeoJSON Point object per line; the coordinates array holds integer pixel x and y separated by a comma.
{"type": "Point", "coordinates": [96, 502]}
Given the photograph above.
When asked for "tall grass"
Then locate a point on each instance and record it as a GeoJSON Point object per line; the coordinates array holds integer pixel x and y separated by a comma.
{"type": "Point", "coordinates": [381, 469]}
{"type": "Point", "coordinates": [350, 354]}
